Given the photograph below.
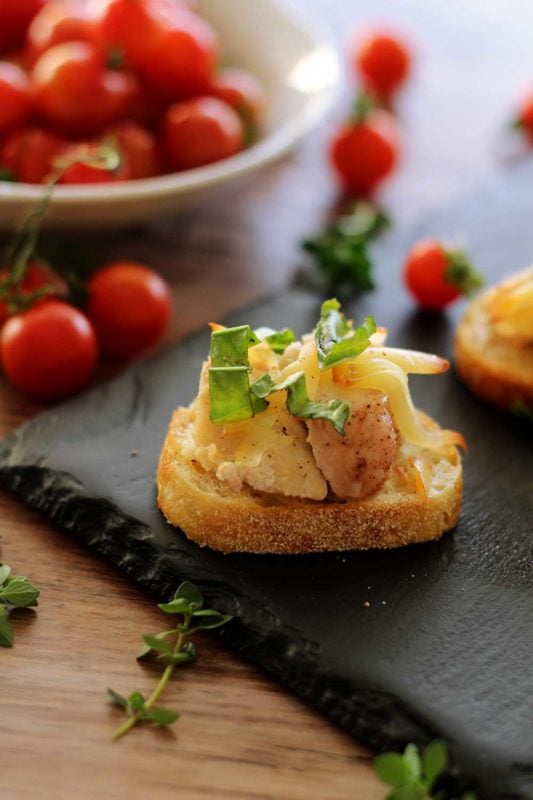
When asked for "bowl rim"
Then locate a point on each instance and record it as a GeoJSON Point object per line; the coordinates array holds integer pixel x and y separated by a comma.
{"type": "Point", "coordinates": [266, 150]}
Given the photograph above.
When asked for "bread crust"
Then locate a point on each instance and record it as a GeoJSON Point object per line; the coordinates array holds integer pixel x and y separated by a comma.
{"type": "Point", "coordinates": [495, 370]}
{"type": "Point", "coordinates": [213, 515]}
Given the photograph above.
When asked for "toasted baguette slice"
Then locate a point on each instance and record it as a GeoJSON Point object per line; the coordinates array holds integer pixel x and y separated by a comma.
{"type": "Point", "coordinates": [494, 368]}
{"type": "Point", "coordinates": [212, 514]}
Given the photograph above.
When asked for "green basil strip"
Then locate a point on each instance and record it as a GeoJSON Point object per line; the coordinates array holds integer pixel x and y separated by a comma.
{"type": "Point", "coordinates": [229, 346]}
{"type": "Point", "coordinates": [335, 340]}
{"type": "Point", "coordinates": [229, 394]}
{"type": "Point", "coordinates": [277, 340]}
{"type": "Point", "coordinates": [298, 402]}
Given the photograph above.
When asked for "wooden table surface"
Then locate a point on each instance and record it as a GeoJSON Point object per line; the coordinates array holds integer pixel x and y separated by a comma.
{"type": "Point", "coordinates": [240, 735]}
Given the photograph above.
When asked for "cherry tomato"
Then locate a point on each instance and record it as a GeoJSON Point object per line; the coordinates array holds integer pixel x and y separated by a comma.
{"type": "Point", "coordinates": [15, 99]}
{"type": "Point", "coordinates": [38, 275]}
{"type": "Point", "coordinates": [120, 21]}
{"type": "Point", "coordinates": [242, 91]}
{"type": "Point", "coordinates": [183, 60]}
{"type": "Point", "coordinates": [200, 131]}
{"type": "Point", "coordinates": [60, 21]}
{"type": "Point", "coordinates": [28, 155]}
{"type": "Point", "coordinates": [15, 18]}
{"type": "Point", "coordinates": [81, 172]}
{"type": "Point", "coordinates": [75, 92]}
{"type": "Point", "coordinates": [383, 62]}
{"type": "Point", "coordinates": [138, 147]}
{"type": "Point", "coordinates": [50, 350]}
{"type": "Point", "coordinates": [436, 276]}
{"type": "Point", "coordinates": [130, 307]}
{"type": "Point", "coordinates": [364, 153]}
{"type": "Point", "coordinates": [524, 119]}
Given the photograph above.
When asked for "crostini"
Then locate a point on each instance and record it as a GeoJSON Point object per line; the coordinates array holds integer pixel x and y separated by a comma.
{"type": "Point", "coordinates": [295, 446]}
{"type": "Point", "coordinates": [494, 344]}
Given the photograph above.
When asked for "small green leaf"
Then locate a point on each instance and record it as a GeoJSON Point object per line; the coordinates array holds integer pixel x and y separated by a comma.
{"type": "Point", "coordinates": [277, 340]}
{"type": "Point", "coordinates": [157, 644]}
{"type": "Point", "coordinates": [181, 657]}
{"type": "Point", "coordinates": [336, 340]}
{"type": "Point", "coordinates": [208, 620]}
{"type": "Point", "coordinates": [136, 702]}
{"type": "Point", "coordinates": [392, 769]}
{"type": "Point", "coordinates": [229, 394]}
{"type": "Point", "coordinates": [145, 649]}
{"type": "Point", "coordinates": [191, 593]}
{"type": "Point", "coordinates": [411, 757]}
{"type": "Point", "coordinates": [177, 606]}
{"type": "Point", "coordinates": [409, 791]}
{"type": "Point", "coordinates": [6, 631]}
{"type": "Point", "coordinates": [118, 699]}
{"type": "Point", "coordinates": [162, 716]}
{"type": "Point", "coordinates": [434, 761]}
{"type": "Point", "coordinates": [19, 592]}
{"type": "Point", "coordinates": [4, 573]}
{"type": "Point", "coordinates": [229, 346]}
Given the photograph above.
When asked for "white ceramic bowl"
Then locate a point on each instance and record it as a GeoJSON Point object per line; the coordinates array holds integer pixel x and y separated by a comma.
{"type": "Point", "coordinates": [299, 70]}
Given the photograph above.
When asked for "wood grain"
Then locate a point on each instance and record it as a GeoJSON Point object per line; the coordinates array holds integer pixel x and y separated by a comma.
{"type": "Point", "coordinates": [240, 736]}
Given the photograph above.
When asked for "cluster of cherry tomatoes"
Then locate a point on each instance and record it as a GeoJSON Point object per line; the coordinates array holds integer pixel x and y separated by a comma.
{"type": "Point", "coordinates": [52, 348]}
{"type": "Point", "coordinates": [141, 75]}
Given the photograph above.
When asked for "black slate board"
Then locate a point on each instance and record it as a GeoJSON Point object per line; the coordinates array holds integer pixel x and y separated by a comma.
{"type": "Point", "coordinates": [446, 646]}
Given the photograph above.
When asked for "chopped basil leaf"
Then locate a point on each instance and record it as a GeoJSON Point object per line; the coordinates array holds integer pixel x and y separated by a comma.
{"type": "Point", "coordinates": [229, 394]}
{"type": "Point", "coordinates": [277, 340]}
{"type": "Point", "coordinates": [298, 402]}
{"type": "Point", "coordinates": [229, 346]}
{"type": "Point", "coordinates": [336, 341]}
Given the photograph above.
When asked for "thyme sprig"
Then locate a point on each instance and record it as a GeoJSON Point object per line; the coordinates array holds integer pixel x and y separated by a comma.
{"type": "Point", "coordinates": [173, 648]}
{"type": "Point", "coordinates": [15, 592]}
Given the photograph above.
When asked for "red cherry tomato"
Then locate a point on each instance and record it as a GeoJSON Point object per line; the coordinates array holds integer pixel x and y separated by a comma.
{"type": "Point", "coordinates": [200, 131]}
{"type": "Point", "coordinates": [75, 92]}
{"type": "Point", "coordinates": [28, 155]}
{"type": "Point", "coordinates": [138, 147]}
{"type": "Point", "coordinates": [243, 92]}
{"type": "Point", "coordinates": [81, 172]}
{"type": "Point", "coordinates": [120, 21]}
{"type": "Point", "coordinates": [364, 153]}
{"type": "Point", "coordinates": [50, 350]}
{"type": "Point", "coordinates": [383, 62]}
{"type": "Point", "coordinates": [130, 307]}
{"type": "Point", "coordinates": [38, 275]}
{"type": "Point", "coordinates": [60, 21]}
{"type": "Point", "coordinates": [524, 118]}
{"type": "Point", "coordinates": [15, 99]}
{"type": "Point", "coordinates": [183, 58]}
{"type": "Point", "coordinates": [436, 276]}
{"type": "Point", "coordinates": [15, 18]}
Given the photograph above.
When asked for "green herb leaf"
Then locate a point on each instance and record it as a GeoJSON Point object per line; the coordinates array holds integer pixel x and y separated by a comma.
{"type": "Point", "coordinates": [162, 716]}
{"type": "Point", "coordinates": [5, 572]}
{"type": "Point", "coordinates": [146, 649]}
{"type": "Point", "coordinates": [229, 346]}
{"type": "Point", "coordinates": [6, 631]}
{"type": "Point", "coordinates": [192, 594]}
{"type": "Point", "coordinates": [181, 657]}
{"type": "Point", "coordinates": [207, 619]}
{"type": "Point", "coordinates": [434, 761]}
{"type": "Point", "coordinates": [392, 769]}
{"type": "Point", "coordinates": [118, 699]}
{"type": "Point", "coordinates": [229, 394]}
{"type": "Point", "coordinates": [177, 606]}
{"type": "Point", "coordinates": [19, 592]}
{"type": "Point", "coordinates": [410, 791]}
{"type": "Point", "coordinates": [335, 340]}
{"type": "Point", "coordinates": [277, 340]}
{"type": "Point", "coordinates": [341, 250]}
{"type": "Point", "coordinates": [159, 645]}
{"type": "Point", "coordinates": [137, 703]}
{"type": "Point", "coordinates": [411, 758]}
{"type": "Point", "coordinates": [298, 402]}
